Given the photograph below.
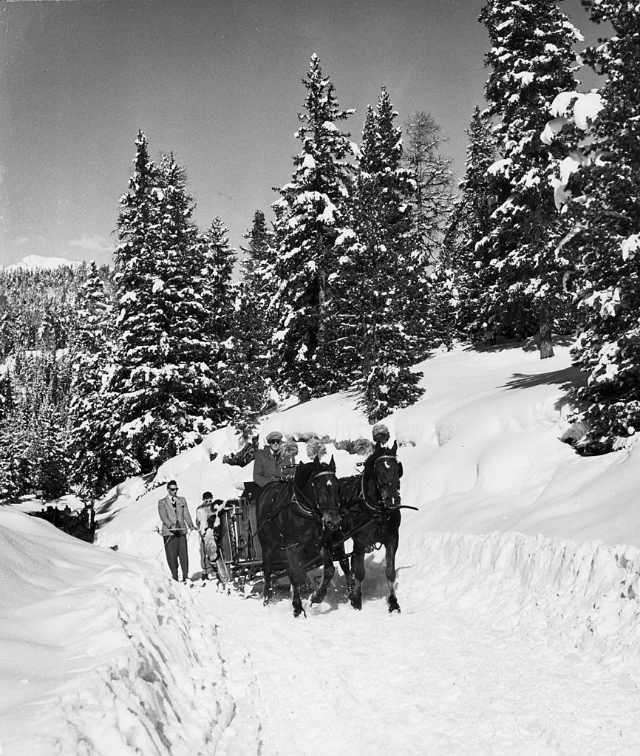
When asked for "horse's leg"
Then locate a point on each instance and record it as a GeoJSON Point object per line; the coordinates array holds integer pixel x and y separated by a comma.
{"type": "Point", "coordinates": [391, 547]}
{"type": "Point", "coordinates": [357, 564]}
{"type": "Point", "coordinates": [328, 571]}
{"type": "Point", "coordinates": [343, 561]}
{"type": "Point", "coordinates": [267, 567]}
{"type": "Point", "coordinates": [296, 578]}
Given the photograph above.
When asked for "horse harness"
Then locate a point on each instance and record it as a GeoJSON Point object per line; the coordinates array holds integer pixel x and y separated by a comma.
{"type": "Point", "coordinates": [303, 509]}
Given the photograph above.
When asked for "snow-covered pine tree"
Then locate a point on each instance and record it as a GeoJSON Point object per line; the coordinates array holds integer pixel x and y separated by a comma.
{"type": "Point", "coordinates": [220, 296]}
{"type": "Point", "coordinates": [15, 477]}
{"type": "Point", "coordinates": [95, 447]}
{"type": "Point", "coordinates": [381, 279]}
{"type": "Point", "coordinates": [256, 317]}
{"type": "Point", "coordinates": [310, 215]}
{"type": "Point", "coordinates": [531, 61]}
{"type": "Point", "coordinates": [605, 208]}
{"type": "Point", "coordinates": [470, 222]}
{"type": "Point", "coordinates": [165, 392]}
{"type": "Point", "coordinates": [255, 320]}
{"type": "Point", "coordinates": [49, 450]}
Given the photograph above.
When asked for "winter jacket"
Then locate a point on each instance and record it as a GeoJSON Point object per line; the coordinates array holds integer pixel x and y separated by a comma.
{"type": "Point", "coordinates": [268, 466]}
{"type": "Point", "coordinates": [174, 517]}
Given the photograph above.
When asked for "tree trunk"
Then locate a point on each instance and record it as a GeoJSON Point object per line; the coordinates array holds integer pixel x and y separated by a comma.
{"type": "Point", "coordinates": [546, 335]}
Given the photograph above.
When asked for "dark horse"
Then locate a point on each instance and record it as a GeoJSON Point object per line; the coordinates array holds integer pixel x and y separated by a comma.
{"type": "Point", "coordinates": [370, 508]}
{"type": "Point", "coordinates": [295, 521]}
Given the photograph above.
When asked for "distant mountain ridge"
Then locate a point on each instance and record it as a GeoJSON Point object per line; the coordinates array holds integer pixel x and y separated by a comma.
{"type": "Point", "coordinates": [39, 262]}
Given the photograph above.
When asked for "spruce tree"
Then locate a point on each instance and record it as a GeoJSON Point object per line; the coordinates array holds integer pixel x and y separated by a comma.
{"type": "Point", "coordinates": [95, 448]}
{"type": "Point", "coordinates": [469, 223]}
{"type": "Point", "coordinates": [220, 300]}
{"type": "Point", "coordinates": [531, 61]}
{"type": "Point", "coordinates": [604, 204]}
{"type": "Point", "coordinates": [310, 216]}
{"type": "Point", "coordinates": [381, 279]}
{"type": "Point", "coordinates": [164, 389]}
{"type": "Point", "coordinates": [254, 322]}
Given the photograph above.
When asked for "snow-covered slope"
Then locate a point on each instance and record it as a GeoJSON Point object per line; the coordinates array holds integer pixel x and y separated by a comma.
{"type": "Point", "coordinates": [518, 582]}
{"type": "Point", "coordinates": [482, 452]}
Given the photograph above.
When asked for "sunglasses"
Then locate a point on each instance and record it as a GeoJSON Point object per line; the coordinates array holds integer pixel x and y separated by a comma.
{"type": "Point", "coordinates": [173, 489]}
{"type": "Point", "coordinates": [275, 443]}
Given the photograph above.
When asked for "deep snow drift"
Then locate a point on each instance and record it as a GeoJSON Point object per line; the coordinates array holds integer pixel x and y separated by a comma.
{"type": "Point", "coordinates": [518, 582]}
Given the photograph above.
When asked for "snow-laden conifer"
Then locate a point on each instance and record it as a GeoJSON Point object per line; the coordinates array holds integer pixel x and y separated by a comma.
{"type": "Point", "coordinates": [96, 458]}
{"type": "Point", "coordinates": [470, 222]}
{"type": "Point", "coordinates": [254, 321]}
{"type": "Point", "coordinates": [311, 215]}
{"type": "Point", "coordinates": [165, 391]}
{"type": "Point", "coordinates": [381, 282]}
{"type": "Point", "coordinates": [602, 186]}
{"type": "Point", "coordinates": [531, 61]}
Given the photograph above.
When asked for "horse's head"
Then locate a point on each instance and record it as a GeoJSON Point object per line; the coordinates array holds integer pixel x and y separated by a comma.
{"type": "Point", "coordinates": [384, 471]}
{"type": "Point", "coordinates": [324, 488]}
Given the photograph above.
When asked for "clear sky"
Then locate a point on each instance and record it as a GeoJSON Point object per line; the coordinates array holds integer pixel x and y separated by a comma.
{"type": "Point", "coordinates": [218, 83]}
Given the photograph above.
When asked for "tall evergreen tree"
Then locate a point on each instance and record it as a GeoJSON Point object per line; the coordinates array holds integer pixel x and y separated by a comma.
{"type": "Point", "coordinates": [164, 390]}
{"type": "Point", "coordinates": [381, 278]}
{"type": "Point", "coordinates": [256, 314]}
{"type": "Point", "coordinates": [531, 61]}
{"type": "Point", "coordinates": [96, 455]}
{"type": "Point", "coordinates": [470, 222]}
{"type": "Point", "coordinates": [605, 208]}
{"type": "Point", "coordinates": [255, 321]}
{"type": "Point", "coordinates": [310, 216]}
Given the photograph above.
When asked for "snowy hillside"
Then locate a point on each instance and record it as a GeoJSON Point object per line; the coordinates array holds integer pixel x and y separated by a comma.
{"type": "Point", "coordinates": [518, 582]}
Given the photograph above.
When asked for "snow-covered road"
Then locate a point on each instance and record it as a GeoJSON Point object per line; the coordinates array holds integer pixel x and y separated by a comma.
{"type": "Point", "coordinates": [440, 678]}
{"type": "Point", "coordinates": [506, 644]}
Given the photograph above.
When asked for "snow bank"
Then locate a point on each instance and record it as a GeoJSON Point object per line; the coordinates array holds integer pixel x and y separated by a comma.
{"type": "Point", "coordinates": [584, 594]}
{"type": "Point", "coordinates": [106, 654]}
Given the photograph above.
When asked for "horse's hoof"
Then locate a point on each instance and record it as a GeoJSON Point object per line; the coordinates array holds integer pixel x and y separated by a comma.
{"type": "Point", "coordinates": [315, 599]}
{"type": "Point", "coordinates": [394, 606]}
{"type": "Point", "coordinates": [356, 603]}
{"type": "Point", "coordinates": [298, 612]}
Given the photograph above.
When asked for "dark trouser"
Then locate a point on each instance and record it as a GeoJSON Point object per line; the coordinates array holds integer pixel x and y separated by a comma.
{"type": "Point", "coordinates": [175, 547]}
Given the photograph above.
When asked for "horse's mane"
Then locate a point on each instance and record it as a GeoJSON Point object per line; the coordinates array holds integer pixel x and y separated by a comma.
{"type": "Point", "coordinates": [304, 470]}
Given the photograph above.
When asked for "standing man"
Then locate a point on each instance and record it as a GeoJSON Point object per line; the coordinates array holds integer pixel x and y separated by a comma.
{"type": "Point", "coordinates": [203, 513]}
{"type": "Point", "coordinates": [176, 523]}
{"type": "Point", "coordinates": [269, 462]}
{"type": "Point", "coordinates": [88, 522]}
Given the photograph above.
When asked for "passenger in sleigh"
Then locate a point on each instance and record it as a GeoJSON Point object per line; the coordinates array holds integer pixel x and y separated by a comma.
{"type": "Point", "coordinates": [275, 462]}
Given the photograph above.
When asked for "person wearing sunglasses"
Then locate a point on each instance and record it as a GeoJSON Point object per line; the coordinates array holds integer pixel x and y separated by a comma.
{"type": "Point", "coordinates": [176, 523]}
{"type": "Point", "coordinates": [269, 462]}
